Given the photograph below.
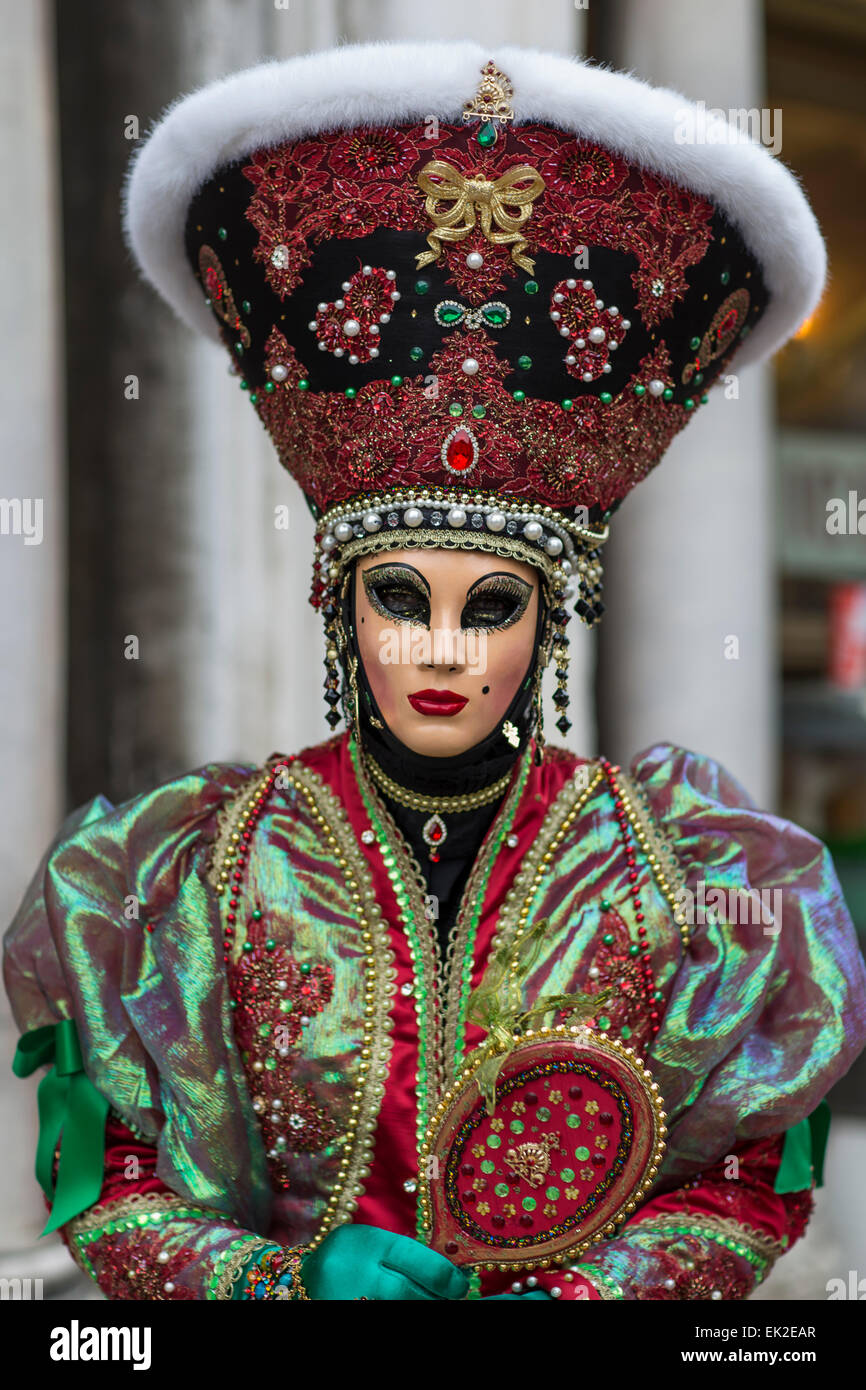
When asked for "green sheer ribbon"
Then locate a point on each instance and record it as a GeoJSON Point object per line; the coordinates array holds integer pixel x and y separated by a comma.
{"type": "Point", "coordinates": [497, 1006]}
{"type": "Point", "coordinates": [71, 1106]}
{"type": "Point", "coordinates": [803, 1152]}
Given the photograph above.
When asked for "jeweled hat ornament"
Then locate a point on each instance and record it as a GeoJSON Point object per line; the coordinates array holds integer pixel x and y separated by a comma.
{"type": "Point", "coordinates": [471, 295]}
{"type": "Point", "coordinates": [550, 1136]}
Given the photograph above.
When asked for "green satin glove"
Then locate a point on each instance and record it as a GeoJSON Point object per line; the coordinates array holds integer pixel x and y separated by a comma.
{"type": "Point", "coordinates": [367, 1262]}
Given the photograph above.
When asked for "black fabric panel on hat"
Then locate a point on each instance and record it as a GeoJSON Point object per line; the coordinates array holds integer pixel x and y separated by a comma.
{"type": "Point", "coordinates": [217, 219]}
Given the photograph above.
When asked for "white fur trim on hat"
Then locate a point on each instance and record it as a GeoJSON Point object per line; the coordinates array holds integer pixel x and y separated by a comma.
{"type": "Point", "coordinates": [383, 83]}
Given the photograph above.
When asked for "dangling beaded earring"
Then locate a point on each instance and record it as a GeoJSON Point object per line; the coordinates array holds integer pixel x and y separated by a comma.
{"type": "Point", "coordinates": [332, 675]}
{"type": "Point", "coordinates": [559, 650]}
{"type": "Point", "coordinates": [589, 606]}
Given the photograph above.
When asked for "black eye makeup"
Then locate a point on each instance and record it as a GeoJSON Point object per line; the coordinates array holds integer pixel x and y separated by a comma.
{"type": "Point", "coordinates": [398, 593]}
{"type": "Point", "coordinates": [496, 602]}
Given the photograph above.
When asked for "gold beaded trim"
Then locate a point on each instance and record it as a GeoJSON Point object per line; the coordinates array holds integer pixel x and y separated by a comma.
{"type": "Point", "coordinates": [231, 1263]}
{"type": "Point", "coordinates": [404, 538]}
{"type": "Point", "coordinates": [379, 989]}
{"type": "Point", "coordinates": [723, 1230]}
{"type": "Point", "coordinates": [329, 817]}
{"type": "Point", "coordinates": [658, 849]}
{"type": "Point", "coordinates": [416, 801]}
{"type": "Point", "coordinates": [633, 1198]}
{"type": "Point", "coordinates": [440, 497]}
{"type": "Point", "coordinates": [514, 919]}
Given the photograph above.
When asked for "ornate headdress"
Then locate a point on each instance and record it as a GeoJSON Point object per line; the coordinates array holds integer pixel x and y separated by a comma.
{"type": "Point", "coordinates": [472, 297]}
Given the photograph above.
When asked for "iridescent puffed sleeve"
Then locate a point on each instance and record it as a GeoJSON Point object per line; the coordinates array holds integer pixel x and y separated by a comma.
{"type": "Point", "coordinates": [766, 1013]}
{"type": "Point", "coordinates": [118, 943]}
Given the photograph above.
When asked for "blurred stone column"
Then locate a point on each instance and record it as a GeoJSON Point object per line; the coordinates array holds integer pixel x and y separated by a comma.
{"type": "Point", "coordinates": [32, 544]}
{"type": "Point", "coordinates": [690, 560]}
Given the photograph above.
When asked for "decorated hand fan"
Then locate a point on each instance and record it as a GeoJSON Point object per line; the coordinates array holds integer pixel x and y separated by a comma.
{"type": "Point", "coordinates": [547, 1140]}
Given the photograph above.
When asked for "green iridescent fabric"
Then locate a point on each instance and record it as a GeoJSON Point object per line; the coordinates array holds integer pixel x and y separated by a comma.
{"type": "Point", "coordinates": [121, 931]}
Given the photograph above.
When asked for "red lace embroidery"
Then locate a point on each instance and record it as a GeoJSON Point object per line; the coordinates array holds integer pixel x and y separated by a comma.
{"type": "Point", "coordinates": [276, 1000]}
{"type": "Point", "coordinates": [390, 433]}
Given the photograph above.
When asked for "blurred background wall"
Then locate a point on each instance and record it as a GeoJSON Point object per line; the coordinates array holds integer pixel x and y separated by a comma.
{"type": "Point", "coordinates": [158, 486]}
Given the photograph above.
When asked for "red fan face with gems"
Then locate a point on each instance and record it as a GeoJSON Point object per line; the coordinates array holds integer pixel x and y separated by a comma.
{"type": "Point", "coordinates": [575, 1138]}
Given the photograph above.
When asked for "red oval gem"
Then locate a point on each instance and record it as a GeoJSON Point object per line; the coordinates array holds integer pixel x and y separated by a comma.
{"type": "Point", "coordinates": [460, 452]}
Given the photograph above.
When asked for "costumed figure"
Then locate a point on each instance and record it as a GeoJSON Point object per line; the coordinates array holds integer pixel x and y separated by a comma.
{"type": "Point", "coordinates": [436, 1009]}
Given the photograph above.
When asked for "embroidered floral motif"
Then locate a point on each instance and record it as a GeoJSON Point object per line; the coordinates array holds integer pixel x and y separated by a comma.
{"type": "Point", "coordinates": [627, 1007]}
{"type": "Point", "coordinates": [537, 193]}
{"type": "Point", "coordinates": [593, 332]}
{"type": "Point", "coordinates": [276, 998]}
{"type": "Point", "coordinates": [352, 325]}
{"type": "Point", "coordinates": [220, 296]}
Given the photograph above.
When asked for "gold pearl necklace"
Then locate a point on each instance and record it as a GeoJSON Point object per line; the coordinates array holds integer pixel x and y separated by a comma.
{"type": "Point", "coordinates": [434, 831]}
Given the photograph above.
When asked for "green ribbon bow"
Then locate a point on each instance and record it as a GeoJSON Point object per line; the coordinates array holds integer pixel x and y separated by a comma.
{"type": "Point", "coordinates": [71, 1106]}
{"type": "Point", "coordinates": [803, 1152]}
{"type": "Point", "coordinates": [497, 1006]}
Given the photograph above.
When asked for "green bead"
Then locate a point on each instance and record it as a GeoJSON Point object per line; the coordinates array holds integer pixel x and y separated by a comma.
{"type": "Point", "coordinates": [253, 397]}
{"type": "Point", "coordinates": [668, 393]}
{"type": "Point", "coordinates": [605, 904]}
{"type": "Point", "coordinates": [634, 950]}
{"type": "Point", "coordinates": [493, 1141]}
{"type": "Point", "coordinates": [222, 233]}
{"type": "Point", "coordinates": [303, 384]}
{"type": "Point", "coordinates": [524, 362]}
{"type": "Point", "coordinates": [264, 1030]}
{"type": "Point", "coordinates": [306, 968]}
{"type": "Point", "coordinates": [270, 1064]}
{"type": "Point", "coordinates": [286, 1006]}
{"type": "Point", "coordinates": [704, 398]}
{"type": "Point", "coordinates": [239, 348]}
{"type": "Point", "coordinates": [422, 286]}
{"type": "Point", "coordinates": [416, 353]}
{"type": "Point", "coordinates": [640, 390]}
{"type": "Point", "coordinates": [486, 134]}
{"type": "Point", "coordinates": [246, 306]}
{"type": "Point", "coordinates": [519, 396]}
{"type": "Point", "coordinates": [531, 287]}
{"type": "Point", "coordinates": [543, 1114]}
{"type": "Point", "coordinates": [694, 344]}
{"type": "Point", "coordinates": [270, 944]}
{"type": "Point", "coordinates": [479, 411]}
{"type": "Point", "coordinates": [604, 1023]}
{"type": "Point", "coordinates": [567, 1175]}
{"type": "Point", "coordinates": [567, 404]}
{"type": "Point", "coordinates": [608, 938]}
{"type": "Point", "coordinates": [552, 1194]}
{"type": "Point", "coordinates": [233, 1003]}
{"type": "Point", "coordinates": [455, 408]}
{"type": "Point", "coordinates": [396, 381]}
{"type": "Point", "coordinates": [605, 398]}
{"type": "Point", "coordinates": [351, 393]}
{"type": "Point", "coordinates": [245, 385]}
{"type": "Point", "coordinates": [625, 1031]}
{"type": "Point", "coordinates": [488, 1166]}
{"type": "Point", "coordinates": [248, 945]}
{"type": "Point", "coordinates": [725, 276]}
{"type": "Point", "coordinates": [517, 1126]}
{"type": "Point", "coordinates": [501, 1189]}
{"type": "Point", "coordinates": [698, 378]}
{"type": "Point", "coordinates": [269, 387]}
{"type": "Point", "coordinates": [573, 1121]}
{"type": "Point", "coordinates": [582, 1154]}
{"type": "Point", "coordinates": [689, 403]}
{"type": "Point", "coordinates": [529, 1204]}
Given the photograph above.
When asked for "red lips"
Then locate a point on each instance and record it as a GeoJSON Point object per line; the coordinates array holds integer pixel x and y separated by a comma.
{"type": "Point", "coordinates": [437, 702]}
